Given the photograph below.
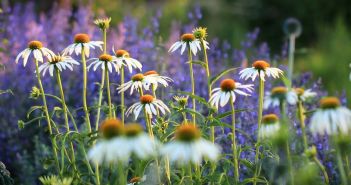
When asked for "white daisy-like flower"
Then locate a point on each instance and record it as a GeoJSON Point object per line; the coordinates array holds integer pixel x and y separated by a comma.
{"type": "Point", "coordinates": [154, 78]}
{"type": "Point", "coordinates": [150, 104]}
{"type": "Point", "coordinates": [123, 56]}
{"type": "Point", "coordinates": [35, 47]}
{"type": "Point", "coordinates": [270, 126]}
{"type": "Point", "coordinates": [278, 95]}
{"type": "Point", "coordinates": [187, 40]}
{"type": "Point", "coordinates": [201, 33]}
{"type": "Point", "coordinates": [260, 68]}
{"type": "Point", "coordinates": [189, 148]}
{"type": "Point", "coordinates": [228, 88]}
{"type": "Point", "coordinates": [82, 41]}
{"type": "Point", "coordinates": [303, 94]}
{"type": "Point", "coordinates": [331, 118]}
{"type": "Point", "coordinates": [111, 62]}
{"type": "Point", "coordinates": [58, 61]}
{"type": "Point", "coordinates": [140, 81]}
{"type": "Point", "coordinates": [138, 143]}
{"type": "Point", "coordinates": [109, 149]}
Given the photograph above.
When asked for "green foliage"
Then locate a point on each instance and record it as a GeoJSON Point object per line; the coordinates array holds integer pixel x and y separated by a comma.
{"type": "Point", "coordinates": [331, 59]}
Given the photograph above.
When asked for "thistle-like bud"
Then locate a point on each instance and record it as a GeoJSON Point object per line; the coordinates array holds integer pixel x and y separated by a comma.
{"type": "Point", "coordinates": [35, 93]}
{"type": "Point", "coordinates": [103, 24]}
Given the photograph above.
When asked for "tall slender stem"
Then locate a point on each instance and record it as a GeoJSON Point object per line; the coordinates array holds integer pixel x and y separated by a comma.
{"type": "Point", "coordinates": [64, 107]}
{"type": "Point", "coordinates": [190, 57]}
{"type": "Point", "coordinates": [235, 154]}
{"type": "Point", "coordinates": [341, 166]}
{"type": "Point", "coordinates": [259, 120]}
{"type": "Point", "coordinates": [320, 165]}
{"type": "Point", "coordinates": [85, 80]}
{"type": "Point", "coordinates": [122, 95]}
{"type": "Point", "coordinates": [302, 123]}
{"type": "Point", "coordinates": [97, 174]}
{"type": "Point", "coordinates": [101, 89]}
{"type": "Point", "coordinates": [209, 87]}
{"type": "Point", "coordinates": [108, 90]}
{"type": "Point", "coordinates": [47, 116]}
{"type": "Point", "coordinates": [291, 56]}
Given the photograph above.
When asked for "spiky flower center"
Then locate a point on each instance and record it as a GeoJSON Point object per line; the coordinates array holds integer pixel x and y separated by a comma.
{"type": "Point", "coordinates": [187, 132]}
{"type": "Point", "coordinates": [56, 59]}
{"type": "Point", "coordinates": [182, 100]}
{"type": "Point", "coordinates": [152, 72]}
{"type": "Point", "coordinates": [200, 33]}
{"type": "Point", "coordinates": [299, 91]}
{"type": "Point", "coordinates": [133, 129]}
{"type": "Point", "coordinates": [227, 85]}
{"type": "Point", "coordinates": [111, 128]}
{"type": "Point", "coordinates": [260, 65]}
{"type": "Point", "coordinates": [81, 38]}
{"type": "Point", "coordinates": [279, 92]}
{"type": "Point", "coordinates": [134, 180]}
{"type": "Point", "coordinates": [137, 77]}
{"type": "Point", "coordinates": [122, 53]}
{"type": "Point", "coordinates": [35, 44]}
{"type": "Point", "coordinates": [188, 37]}
{"type": "Point", "coordinates": [147, 98]}
{"type": "Point", "coordinates": [105, 57]}
{"type": "Point", "coordinates": [270, 119]}
{"type": "Point", "coordinates": [329, 103]}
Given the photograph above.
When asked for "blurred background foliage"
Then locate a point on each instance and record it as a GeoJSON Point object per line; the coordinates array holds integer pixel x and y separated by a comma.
{"type": "Point", "coordinates": [323, 47]}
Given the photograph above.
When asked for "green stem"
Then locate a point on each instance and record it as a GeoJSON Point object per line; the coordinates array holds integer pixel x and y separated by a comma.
{"type": "Point", "coordinates": [190, 173]}
{"type": "Point", "coordinates": [101, 89]}
{"type": "Point", "coordinates": [97, 174]}
{"type": "Point", "coordinates": [341, 166]}
{"type": "Point", "coordinates": [190, 57]}
{"type": "Point", "coordinates": [122, 177]}
{"type": "Point", "coordinates": [235, 155]}
{"type": "Point", "coordinates": [47, 116]}
{"type": "Point", "coordinates": [321, 166]}
{"type": "Point", "coordinates": [64, 107]}
{"type": "Point", "coordinates": [85, 80]}
{"type": "Point", "coordinates": [291, 56]}
{"type": "Point", "coordinates": [259, 120]}
{"type": "Point", "coordinates": [302, 124]}
{"type": "Point", "coordinates": [108, 90]}
{"type": "Point", "coordinates": [122, 95]}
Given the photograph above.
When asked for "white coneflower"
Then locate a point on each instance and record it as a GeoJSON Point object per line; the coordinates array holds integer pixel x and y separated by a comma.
{"type": "Point", "coordinates": [154, 78]}
{"type": "Point", "coordinates": [187, 40]}
{"type": "Point", "coordinates": [331, 118]}
{"type": "Point", "coordinates": [109, 148]}
{"type": "Point", "coordinates": [278, 95]}
{"type": "Point", "coordinates": [228, 88]}
{"type": "Point", "coordinates": [139, 81]}
{"type": "Point", "coordinates": [270, 126]}
{"type": "Point", "coordinates": [38, 51]}
{"type": "Point", "coordinates": [303, 94]}
{"type": "Point", "coordinates": [260, 68]}
{"type": "Point", "coordinates": [105, 58]}
{"type": "Point", "coordinates": [150, 104]}
{"type": "Point", "coordinates": [58, 61]}
{"type": "Point", "coordinates": [123, 56]}
{"type": "Point", "coordinates": [82, 41]}
{"type": "Point", "coordinates": [188, 147]}
{"type": "Point", "coordinates": [138, 143]}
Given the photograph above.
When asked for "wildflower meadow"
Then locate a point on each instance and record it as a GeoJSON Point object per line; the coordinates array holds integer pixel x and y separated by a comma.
{"type": "Point", "coordinates": [88, 100]}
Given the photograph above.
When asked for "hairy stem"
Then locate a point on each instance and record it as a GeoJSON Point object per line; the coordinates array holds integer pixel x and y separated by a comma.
{"type": "Point", "coordinates": [108, 90]}
{"type": "Point", "coordinates": [192, 83]}
{"type": "Point", "coordinates": [235, 154]}
{"type": "Point", "coordinates": [85, 80]}
{"type": "Point", "coordinates": [122, 95]}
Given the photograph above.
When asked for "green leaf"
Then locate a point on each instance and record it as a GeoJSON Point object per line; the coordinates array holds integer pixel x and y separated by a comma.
{"type": "Point", "coordinates": [218, 76]}
{"type": "Point", "coordinates": [286, 81]}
